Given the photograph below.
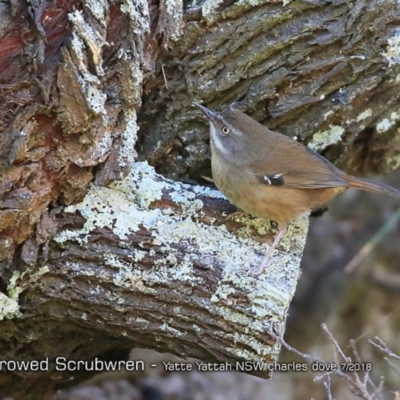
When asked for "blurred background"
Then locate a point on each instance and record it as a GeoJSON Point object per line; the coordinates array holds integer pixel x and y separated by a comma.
{"type": "Point", "coordinates": [357, 304]}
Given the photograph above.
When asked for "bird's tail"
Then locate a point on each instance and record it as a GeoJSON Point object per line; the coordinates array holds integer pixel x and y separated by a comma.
{"type": "Point", "coordinates": [371, 186]}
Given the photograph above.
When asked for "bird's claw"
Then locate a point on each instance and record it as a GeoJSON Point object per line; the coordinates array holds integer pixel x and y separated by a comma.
{"type": "Point", "coordinates": [264, 264]}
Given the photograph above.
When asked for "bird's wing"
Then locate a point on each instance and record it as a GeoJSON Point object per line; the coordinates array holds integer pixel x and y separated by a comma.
{"type": "Point", "coordinates": [308, 170]}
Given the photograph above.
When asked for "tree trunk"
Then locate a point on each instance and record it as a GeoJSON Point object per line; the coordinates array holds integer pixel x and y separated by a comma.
{"type": "Point", "coordinates": [136, 259]}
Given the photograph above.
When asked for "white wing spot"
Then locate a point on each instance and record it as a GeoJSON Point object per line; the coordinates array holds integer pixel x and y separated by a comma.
{"type": "Point", "coordinates": [267, 180]}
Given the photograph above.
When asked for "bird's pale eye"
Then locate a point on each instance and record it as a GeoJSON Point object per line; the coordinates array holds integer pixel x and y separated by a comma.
{"type": "Point", "coordinates": [225, 130]}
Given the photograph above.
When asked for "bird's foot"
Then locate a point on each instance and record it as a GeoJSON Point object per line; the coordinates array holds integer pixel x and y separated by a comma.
{"type": "Point", "coordinates": [264, 264]}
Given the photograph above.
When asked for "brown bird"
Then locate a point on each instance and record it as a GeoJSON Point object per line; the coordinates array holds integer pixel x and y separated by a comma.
{"type": "Point", "coordinates": [270, 175]}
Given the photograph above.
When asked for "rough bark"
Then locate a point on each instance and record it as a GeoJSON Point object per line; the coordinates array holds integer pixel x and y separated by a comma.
{"type": "Point", "coordinates": [148, 263]}
{"type": "Point", "coordinates": [77, 79]}
{"type": "Point", "coordinates": [324, 72]}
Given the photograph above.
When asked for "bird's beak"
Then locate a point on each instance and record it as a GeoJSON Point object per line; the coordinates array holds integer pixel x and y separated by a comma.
{"type": "Point", "coordinates": [209, 114]}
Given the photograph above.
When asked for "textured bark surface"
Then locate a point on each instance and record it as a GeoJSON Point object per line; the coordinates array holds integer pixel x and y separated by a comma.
{"type": "Point", "coordinates": [147, 273]}
{"type": "Point", "coordinates": [79, 79]}
{"type": "Point", "coordinates": [324, 72]}
{"type": "Point", "coordinates": [60, 115]}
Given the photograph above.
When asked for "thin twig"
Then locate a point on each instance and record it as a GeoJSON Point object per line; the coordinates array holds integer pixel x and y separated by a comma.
{"type": "Point", "coordinates": [354, 383]}
{"type": "Point", "coordinates": [381, 345]}
{"type": "Point", "coordinates": [373, 242]}
{"type": "Point", "coordinates": [335, 343]}
{"type": "Point", "coordinates": [357, 386]}
{"type": "Point", "coordinates": [328, 388]}
{"type": "Point", "coordinates": [367, 378]}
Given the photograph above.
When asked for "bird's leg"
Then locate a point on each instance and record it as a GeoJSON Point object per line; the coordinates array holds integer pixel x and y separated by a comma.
{"type": "Point", "coordinates": [268, 259]}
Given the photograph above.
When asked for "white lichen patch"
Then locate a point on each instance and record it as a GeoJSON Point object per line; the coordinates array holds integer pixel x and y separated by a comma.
{"type": "Point", "coordinates": [392, 53]}
{"type": "Point", "coordinates": [141, 185]}
{"type": "Point", "coordinates": [168, 328]}
{"type": "Point", "coordinates": [395, 115]}
{"type": "Point", "coordinates": [174, 9]}
{"type": "Point", "coordinates": [208, 192]}
{"type": "Point", "coordinates": [259, 224]}
{"type": "Point", "coordinates": [126, 154]}
{"type": "Point", "coordinates": [138, 12]}
{"type": "Point", "coordinates": [364, 115]}
{"type": "Point", "coordinates": [99, 8]}
{"type": "Point", "coordinates": [386, 123]}
{"type": "Point", "coordinates": [383, 125]}
{"type": "Point", "coordinates": [9, 307]}
{"type": "Point", "coordinates": [106, 207]}
{"type": "Point", "coordinates": [278, 279]}
{"type": "Point", "coordinates": [209, 10]}
{"type": "Point", "coordinates": [95, 99]}
{"type": "Point", "coordinates": [323, 139]}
